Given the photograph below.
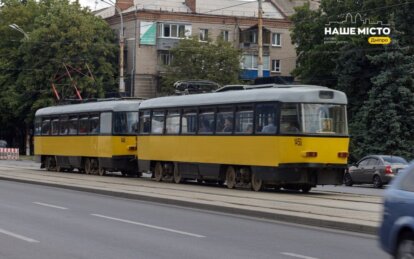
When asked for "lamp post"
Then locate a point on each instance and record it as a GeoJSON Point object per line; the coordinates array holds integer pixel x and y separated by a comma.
{"type": "Point", "coordinates": [26, 36]}
{"type": "Point", "coordinates": [121, 49]}
{"type": "Point", "coordinates": [17, 28]}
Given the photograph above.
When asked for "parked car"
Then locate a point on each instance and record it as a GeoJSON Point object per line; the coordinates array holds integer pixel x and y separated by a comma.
{"type": "Point", "coordinates": [3, 143]}
{"type": "Point", "coordinates": [396, 233]}
{"type": "Point", "coordinates": [375, 169]}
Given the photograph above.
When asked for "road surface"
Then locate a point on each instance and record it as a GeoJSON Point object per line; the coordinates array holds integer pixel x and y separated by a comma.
{"type": "Point", "coordinates": [46, 222]}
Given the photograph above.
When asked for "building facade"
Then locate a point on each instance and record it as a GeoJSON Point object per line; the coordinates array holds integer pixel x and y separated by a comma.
{"type": "Point", "coordinates": [152, 28]}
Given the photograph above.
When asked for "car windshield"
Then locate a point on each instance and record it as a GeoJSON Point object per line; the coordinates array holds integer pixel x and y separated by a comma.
{"type": "Point", "coordinates": [394, 160]}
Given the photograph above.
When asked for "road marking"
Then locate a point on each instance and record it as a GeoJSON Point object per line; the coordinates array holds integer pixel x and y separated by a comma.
{"type": "Point", "coordinates": [148, 226]}
{"type": "Point", "coordinates": [49, 205]}
{"type": "Point", "coordinates": [27, 239]}
{"type": "Point", "coordinates": [299, 256]}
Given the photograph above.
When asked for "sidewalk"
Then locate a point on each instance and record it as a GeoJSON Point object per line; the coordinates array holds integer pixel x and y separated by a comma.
{"type": "Point", "coordinates": [351, 212]}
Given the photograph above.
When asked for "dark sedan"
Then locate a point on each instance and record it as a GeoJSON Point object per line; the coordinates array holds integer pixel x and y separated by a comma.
{"type": "Point", "coordinates": [375, 169]}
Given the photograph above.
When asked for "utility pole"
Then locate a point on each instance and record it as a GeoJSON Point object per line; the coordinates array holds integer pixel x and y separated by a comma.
{"type": "Point", "coordinates": [121, 54]}
{"type": "Point", "coordinates": [260, 42]}
{"type": "Point", "coordinates": [121, 48]}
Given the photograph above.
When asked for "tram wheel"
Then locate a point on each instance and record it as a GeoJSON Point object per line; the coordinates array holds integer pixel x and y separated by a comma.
{"type": "Point", "coordinates": [306, 188]}
{"type": "Point", "coordinates": [50, 163]}
{"type": "Point", "coordinates": [88, 166]}
{"type": "Point", "coordinates": [231, 177]}
{"type": "Point", "coordinates": [177, 175]}
{"type": "Point", "coordinates": [158, 172]}
{"type": "Point", "coordinates": [101, 171]}
{"type": "Point", "coordinates": [257, 184]}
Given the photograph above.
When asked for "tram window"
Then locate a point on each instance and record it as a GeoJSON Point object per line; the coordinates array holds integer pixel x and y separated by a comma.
{"type": "Point", "coordinates": [290, 118]}
{"type": "Point", "coordinates": [225, 121]}
{"type": "Point", "coordinates": [157, 122]}
{"type": "Point", "coordinates": [189, 122]}
{"type": "Point", "coordinates": [106, 123]}
{"type": "Point", "coordinates": [324, 118]}
{"type": "Point", "coordinates": [45, 127]}
{"type": "Point", "coordinates": [145, 122]}
{"type": "Point", "coordinates": [38, 126]}
{"type": "Point", "coordinates": [132, 122]}
{"type": "Point", "coordinates": [55, 127]}
{"type": "Point", "coordinates": [125, 122]}
{"type": "Point", "coordinates": [172, 123]}
{"type": "Point", "coordinates": [120, 123]}
{"type": "Point", "coordinates": [94, 124]}
{"type": "Point", "coordinates": [83, 125]}
{"type": "Point", "coordinates": [265, 119]}
{"type": "Point", "coordinates": [244, 120]}
{"type": "Point", "coordinates": [73, 125]}
{"type": "Point", "coordinates": [206, 121]}
{"type": "Point", "coordinates": [63, 127]}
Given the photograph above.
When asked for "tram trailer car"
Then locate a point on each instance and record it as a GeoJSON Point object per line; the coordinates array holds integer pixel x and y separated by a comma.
{"type": "Point", "coordinates": [93, 137]}
{"type": "Point", "coordinates": [291, 137]}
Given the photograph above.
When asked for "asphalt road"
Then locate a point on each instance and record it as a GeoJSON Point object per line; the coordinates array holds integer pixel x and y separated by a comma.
{"type": "Point", "coordinates": [45, 222]}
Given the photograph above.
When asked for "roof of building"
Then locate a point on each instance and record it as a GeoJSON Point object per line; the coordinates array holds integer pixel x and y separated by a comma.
{"type": "Point", "coordinates": [239, 8]}
{"type": "Point", "coordinates": [297, 93]}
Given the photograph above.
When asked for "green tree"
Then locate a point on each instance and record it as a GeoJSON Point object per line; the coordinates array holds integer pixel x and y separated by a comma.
{"type": "Point", "coordinates": [384, 124]}
{"type": "Point", "coordinates": [366, 73]}
{"type": "Point", "coordinates": [60, 32]}
{"type": "Point", "coordinates": [192, 59]}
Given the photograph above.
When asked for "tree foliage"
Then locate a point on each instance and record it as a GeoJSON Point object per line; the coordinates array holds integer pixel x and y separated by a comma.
{"type": "Point", "coordinates": [378, 80]}
{"type": "Point", "coordinates": [192, 59]}
{"type": "Point", "coordinates": [59, 33]}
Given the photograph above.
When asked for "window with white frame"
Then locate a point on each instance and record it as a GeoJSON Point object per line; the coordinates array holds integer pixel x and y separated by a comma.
{"type": "Point", "coordinates": [276, 39]}
{"type": "Point", "coordinates": [164, 58]}
{"type": "Point", "coordinates": [225, 35]}
{"type": "Point", "coordinates": [250, 62]}
{"type": "Point", "coordinates": [275, 65]}
{"type": "Point", "coordinates": [170, 30]}
{"type": "Point", "coordinates": [203, 34]}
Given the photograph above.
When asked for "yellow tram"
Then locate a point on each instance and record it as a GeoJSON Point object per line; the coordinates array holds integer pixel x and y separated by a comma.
{"type": "Point", "coordinates": [294, 137]}
{"type": "Point", "coordinates": [93, 137]}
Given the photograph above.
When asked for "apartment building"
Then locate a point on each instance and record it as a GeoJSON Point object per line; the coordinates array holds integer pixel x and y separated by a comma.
{"type": "Point", "coordinates": [152, 27]}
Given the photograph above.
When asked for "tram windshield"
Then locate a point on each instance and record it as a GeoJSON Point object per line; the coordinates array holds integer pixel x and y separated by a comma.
{"type": "Point", "coordinates": [312, 118]}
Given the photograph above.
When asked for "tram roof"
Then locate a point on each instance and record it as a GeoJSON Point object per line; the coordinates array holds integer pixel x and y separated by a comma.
{"type": "Point", "coordinates": [293, 94]}
{"type": "Point", "coordinates": [113, 105]}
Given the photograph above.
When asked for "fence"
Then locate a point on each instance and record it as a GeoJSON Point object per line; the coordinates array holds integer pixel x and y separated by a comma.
{"type": "Point", "coordinates": [9, 153]}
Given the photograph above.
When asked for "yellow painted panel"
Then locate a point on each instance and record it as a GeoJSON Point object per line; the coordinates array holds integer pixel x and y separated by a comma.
{"type": "Point", "coordinates": [243, 150]}
{"type": "Point", "coordinates": [94, 146]}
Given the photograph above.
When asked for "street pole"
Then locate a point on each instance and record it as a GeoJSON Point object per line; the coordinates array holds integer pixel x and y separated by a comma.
{"type": "Point", "coordinates": [28, 136]}
{"type": "Point", "coordinates": [260, 42]}
{"type": "Point", "coordinates": [121, 54]}
{"type": "Point", "coordinates": [121, 48]}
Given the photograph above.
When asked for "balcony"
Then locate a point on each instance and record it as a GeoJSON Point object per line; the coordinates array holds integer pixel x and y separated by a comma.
{"type": "Point", "coordinates": [167, 43]}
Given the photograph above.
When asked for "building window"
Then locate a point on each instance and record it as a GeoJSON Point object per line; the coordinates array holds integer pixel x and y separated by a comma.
{"type": "Point", "coordinates": [203, 34]}
{"type": "Point", "coordinates": [252, 37]}
{"type": "Point", "coordinates": [250, 62]}
{"type": "Point", "coordinates": [225, 35]}
{"type": "Point", "coordinates": [276, 39]}
{"type": "Point", "coordinates": [164, 58]}
{"type": "Point", "coordinates": [167, 30]}
{"type": "Point", "coordinates": [275, 65]}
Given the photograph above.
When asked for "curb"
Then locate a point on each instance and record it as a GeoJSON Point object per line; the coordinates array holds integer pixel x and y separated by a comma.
{"type": "Point", "coordinates": [352, 227]}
